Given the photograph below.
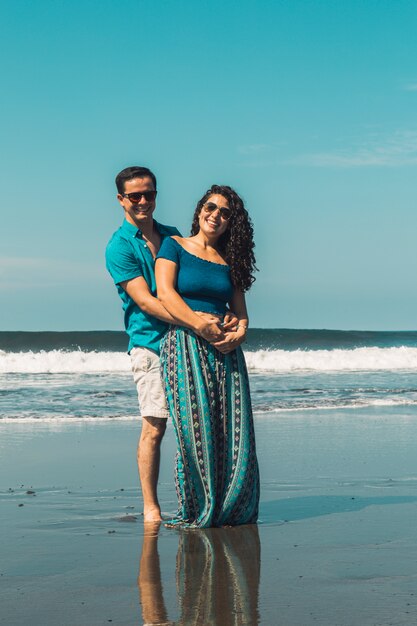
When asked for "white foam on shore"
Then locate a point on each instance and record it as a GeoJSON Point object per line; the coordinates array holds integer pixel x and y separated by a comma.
{"type": "Point", "coordinates": [361, 404]}
{"type": "Point", "coordinates": [67, 362]}
{"type": "Point", "coordinates": [63, 362]}
{"type": "Point", "coordinates": [366, 359]}
{"type": "Point", "coordinates": [66, 419]}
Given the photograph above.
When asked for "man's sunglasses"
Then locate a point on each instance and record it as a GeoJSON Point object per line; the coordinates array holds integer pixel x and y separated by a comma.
{"type": "Point", "coordinates": [224, 211]}
{"type": "Point", "coordinates": [136, 196]}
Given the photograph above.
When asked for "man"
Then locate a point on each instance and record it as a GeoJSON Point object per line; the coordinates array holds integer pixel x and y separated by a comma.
{"type": "Point", "coordinates": [130, 258]}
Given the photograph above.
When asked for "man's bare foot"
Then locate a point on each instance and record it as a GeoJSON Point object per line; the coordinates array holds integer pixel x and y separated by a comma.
{"type": "Point", "coordinates": [151, 529]}
{"type": "Point", "coordinates": [152, 514]}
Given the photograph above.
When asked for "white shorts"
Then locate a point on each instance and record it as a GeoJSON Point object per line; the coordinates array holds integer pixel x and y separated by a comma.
{"type": "Point", "coordinates": [147, 377]}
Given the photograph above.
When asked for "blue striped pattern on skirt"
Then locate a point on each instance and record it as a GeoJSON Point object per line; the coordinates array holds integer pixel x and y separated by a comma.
{"type": "Point", "coordinates": [216, 469]}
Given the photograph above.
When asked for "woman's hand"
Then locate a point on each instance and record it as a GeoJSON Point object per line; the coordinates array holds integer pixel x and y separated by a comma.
{"type": "Point", "coordinates": [230, 321]}
{"type": "Point", "coordinates": [231, 341]}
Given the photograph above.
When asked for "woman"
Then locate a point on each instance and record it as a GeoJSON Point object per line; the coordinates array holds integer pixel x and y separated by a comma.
{"type": "Point", "coordinates": [204, 370]}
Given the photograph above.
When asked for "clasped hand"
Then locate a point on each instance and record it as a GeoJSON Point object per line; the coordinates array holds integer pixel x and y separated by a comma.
{"type": "Point", "coordinates": [223, 336]}
{"type": "Point", "coordinates": [230, 341]}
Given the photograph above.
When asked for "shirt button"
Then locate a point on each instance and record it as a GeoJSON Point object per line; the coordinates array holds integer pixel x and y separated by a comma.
{"type": "Point", "coordinates": [145, 245]}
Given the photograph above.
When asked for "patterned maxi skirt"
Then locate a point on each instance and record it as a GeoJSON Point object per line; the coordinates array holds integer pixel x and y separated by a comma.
{"type": "Point", "coordinates": [216, 469]}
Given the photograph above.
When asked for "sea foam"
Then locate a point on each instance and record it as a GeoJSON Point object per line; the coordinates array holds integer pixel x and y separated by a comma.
{"type": "Point", "coordinates": [63, 362]}
{"type": "Point", "coordinates": [365, 359]}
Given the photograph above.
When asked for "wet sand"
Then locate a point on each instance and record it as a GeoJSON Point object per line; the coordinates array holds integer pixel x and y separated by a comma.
{"type": "Point", "coordinates": [336, 543]}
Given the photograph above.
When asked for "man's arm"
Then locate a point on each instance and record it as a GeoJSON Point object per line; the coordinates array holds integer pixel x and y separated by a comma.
{"type": "Point", "coordinates": [166, 273]}
{"type": "Point", "coordinates": [138, 289]}
{"type": "Point", "coordinates": [126, 271]}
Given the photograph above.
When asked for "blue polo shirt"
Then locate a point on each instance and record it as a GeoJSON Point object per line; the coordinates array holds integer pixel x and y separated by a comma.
{"type": "Point", "coordinates": [127, 257]}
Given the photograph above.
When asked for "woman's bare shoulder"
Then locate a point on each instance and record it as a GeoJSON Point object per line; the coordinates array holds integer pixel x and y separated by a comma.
{"type": "Point", "coordinates": [184, 242]}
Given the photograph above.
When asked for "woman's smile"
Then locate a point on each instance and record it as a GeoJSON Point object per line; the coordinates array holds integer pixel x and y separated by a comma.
{"type": "Point", "coordinates": [211, 215]}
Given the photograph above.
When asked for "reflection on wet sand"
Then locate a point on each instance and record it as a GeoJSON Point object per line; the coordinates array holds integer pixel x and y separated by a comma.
{"type": "Point", "coordinates": [217, 572]}
{"type": "Point", "coordinates": [149, 578]}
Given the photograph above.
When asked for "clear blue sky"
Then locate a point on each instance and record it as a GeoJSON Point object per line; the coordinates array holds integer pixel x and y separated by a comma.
{"type": "Point", "coordinates": [307, 108]}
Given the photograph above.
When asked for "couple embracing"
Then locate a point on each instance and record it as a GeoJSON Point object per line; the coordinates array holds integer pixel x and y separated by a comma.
{"type": "Point", "coordinates": [185, 348]}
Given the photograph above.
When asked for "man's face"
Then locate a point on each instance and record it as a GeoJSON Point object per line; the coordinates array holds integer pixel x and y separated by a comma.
{"type": "Point", "coordinates": [138, 213]}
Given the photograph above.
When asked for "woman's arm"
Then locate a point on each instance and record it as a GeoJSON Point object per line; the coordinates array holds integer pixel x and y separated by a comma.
{"type": "Point", "coordinates": [233, 339]}
{"type": "Point", "coordinates": [166, 274]}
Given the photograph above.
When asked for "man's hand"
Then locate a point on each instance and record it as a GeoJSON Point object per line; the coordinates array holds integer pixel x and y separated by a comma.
{"type": "Point", "coordinates": [210, 331]}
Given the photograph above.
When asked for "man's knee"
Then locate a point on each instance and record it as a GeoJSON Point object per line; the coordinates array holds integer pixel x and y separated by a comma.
{"type": "Point", "coordinates": [153, 429]}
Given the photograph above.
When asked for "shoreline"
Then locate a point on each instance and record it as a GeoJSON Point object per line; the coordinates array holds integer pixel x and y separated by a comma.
{"type": "Point", "coordinates": [336, 543]}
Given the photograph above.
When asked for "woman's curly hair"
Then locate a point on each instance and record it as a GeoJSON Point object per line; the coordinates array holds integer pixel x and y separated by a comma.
{"type": "Point", "coordinates": [237, 242]}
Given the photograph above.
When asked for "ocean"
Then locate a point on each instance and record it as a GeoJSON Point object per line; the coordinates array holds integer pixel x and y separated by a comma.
{"type": "Point", "coordinates": [67, 376]}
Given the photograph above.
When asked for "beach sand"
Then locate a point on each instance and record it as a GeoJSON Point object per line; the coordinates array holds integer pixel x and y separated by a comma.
{"type": "Point", "coordinates": [336, 543]}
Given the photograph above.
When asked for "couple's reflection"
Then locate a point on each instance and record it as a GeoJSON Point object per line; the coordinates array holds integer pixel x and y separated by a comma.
{"type": "Point", "coordinates": [217, 576]}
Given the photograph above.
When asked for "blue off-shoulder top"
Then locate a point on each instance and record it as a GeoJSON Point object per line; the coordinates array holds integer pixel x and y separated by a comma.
{"type": "Point", "coordinates": [203, 285]}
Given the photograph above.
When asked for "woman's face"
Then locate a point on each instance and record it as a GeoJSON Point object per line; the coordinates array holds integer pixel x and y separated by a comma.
{"type": "Point", "coordinates": [214, 216]}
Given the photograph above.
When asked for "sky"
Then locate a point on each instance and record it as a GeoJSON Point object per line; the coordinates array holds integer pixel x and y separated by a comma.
{"type": "Point", "coordinates": [307, 108]}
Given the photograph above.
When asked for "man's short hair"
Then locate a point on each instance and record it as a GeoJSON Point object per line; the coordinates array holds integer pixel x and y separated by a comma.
{"type": "Point", "coordinates": [129, 173]}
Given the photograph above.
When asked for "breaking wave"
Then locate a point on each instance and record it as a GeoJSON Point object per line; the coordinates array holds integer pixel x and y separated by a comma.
{"type": "Point", "coordinates": [85, 362]}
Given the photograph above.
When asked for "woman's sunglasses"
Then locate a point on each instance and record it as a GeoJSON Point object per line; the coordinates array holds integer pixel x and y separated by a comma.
{"type": "Point", "coordinates": [136, 196]}
{"type": "Point", "coordinates": [224, 211]}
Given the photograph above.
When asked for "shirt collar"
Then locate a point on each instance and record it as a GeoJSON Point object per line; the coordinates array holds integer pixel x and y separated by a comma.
{"type": "Point", "coordinates": [134, 231]}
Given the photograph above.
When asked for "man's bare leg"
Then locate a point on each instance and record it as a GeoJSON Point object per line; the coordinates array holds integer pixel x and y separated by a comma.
{"type": "Point", "coordinates": [149, 454]}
